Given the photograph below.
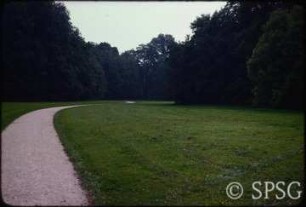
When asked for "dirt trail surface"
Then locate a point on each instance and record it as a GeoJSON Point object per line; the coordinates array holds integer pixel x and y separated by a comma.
{"type": "Point", "coordinates": [34, 167]}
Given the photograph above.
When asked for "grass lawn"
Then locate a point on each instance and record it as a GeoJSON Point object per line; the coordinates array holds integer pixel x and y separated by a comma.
{"type": "Point", "coordinates": [12, 110]}
{"type": "Point", "coordinates": [157, 153]}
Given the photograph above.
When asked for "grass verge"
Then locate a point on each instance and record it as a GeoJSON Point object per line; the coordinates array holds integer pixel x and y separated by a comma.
{"type": "Point", "coordinates": [12, 110]}
{"type": "Point", "coordinates": [161, 154]}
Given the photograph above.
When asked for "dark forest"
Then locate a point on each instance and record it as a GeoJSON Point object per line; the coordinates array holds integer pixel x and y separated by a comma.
{"type": "Point", "coordinates": [248, 53]}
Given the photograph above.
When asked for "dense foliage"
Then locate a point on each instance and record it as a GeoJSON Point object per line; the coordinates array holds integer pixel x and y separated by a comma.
{"type": "Point", "coordinates": [211, 66]}
{"type": "Point", "coordinates": [44, 56]}
{"type": "Point", "coordinates": [246, 53]}
{"type": "Point", "coordinates": [153, 62]}
{"type": "Point", "coordinates": [276, 65]}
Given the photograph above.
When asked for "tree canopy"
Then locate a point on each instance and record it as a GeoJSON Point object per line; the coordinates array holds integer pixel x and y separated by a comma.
{"type": "Point", "coordinates": [276, 65]}
{"type": "Point", "coordinates": [44, 56]}
{"type": "Point", "coordinates": [214, 66]}
{"type": "Point", "coordinates": [246, 53]}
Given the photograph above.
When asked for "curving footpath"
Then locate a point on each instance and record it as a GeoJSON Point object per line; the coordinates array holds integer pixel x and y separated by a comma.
{"type": "Point", "coordinates": [35, 170]}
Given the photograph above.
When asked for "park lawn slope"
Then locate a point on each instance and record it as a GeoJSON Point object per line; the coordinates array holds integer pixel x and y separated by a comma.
{"type": "Point", "coordinates": [164, 154]}
{"type": "Point", "coordinates": [12, 110]}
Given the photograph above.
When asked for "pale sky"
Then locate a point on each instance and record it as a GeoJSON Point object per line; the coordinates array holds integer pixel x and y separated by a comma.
{"type": "Point", "coordinates": [125, 25]}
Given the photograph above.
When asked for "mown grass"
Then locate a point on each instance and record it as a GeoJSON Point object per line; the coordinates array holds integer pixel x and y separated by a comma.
{"type": "Point", "coordinates": [12, 110]}
{"type": "Point", "coordinates": [162, 154]}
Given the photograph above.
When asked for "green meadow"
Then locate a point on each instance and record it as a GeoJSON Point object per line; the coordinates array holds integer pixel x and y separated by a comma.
{"type": "Point", "coordinates": [152, 153]}
{"type": "Point", "coordinates": [158, 153]}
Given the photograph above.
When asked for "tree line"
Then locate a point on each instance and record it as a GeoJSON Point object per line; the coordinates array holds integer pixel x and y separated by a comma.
{"type": "Point", "coordinates": [247, 53]}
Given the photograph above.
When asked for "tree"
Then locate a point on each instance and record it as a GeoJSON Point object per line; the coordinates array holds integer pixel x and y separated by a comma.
{"type": "Point", "coordinates": [152, 59]}
{"type": "Point", "coordinates": [211, 64]}
{"type": "Point", "coordinates": [131, 75]}
{"type": "Point", "coordinates": [276, 65]}
{"type": "Point", "coordinates": [44, 56]}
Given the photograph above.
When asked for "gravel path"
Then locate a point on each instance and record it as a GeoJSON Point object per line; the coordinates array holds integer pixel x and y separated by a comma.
{"type": "Point", "coordinates": [34, 167]}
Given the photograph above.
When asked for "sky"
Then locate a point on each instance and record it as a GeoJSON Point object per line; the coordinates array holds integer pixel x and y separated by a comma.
{"type": "Point", "coordinates": [126, 25]}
